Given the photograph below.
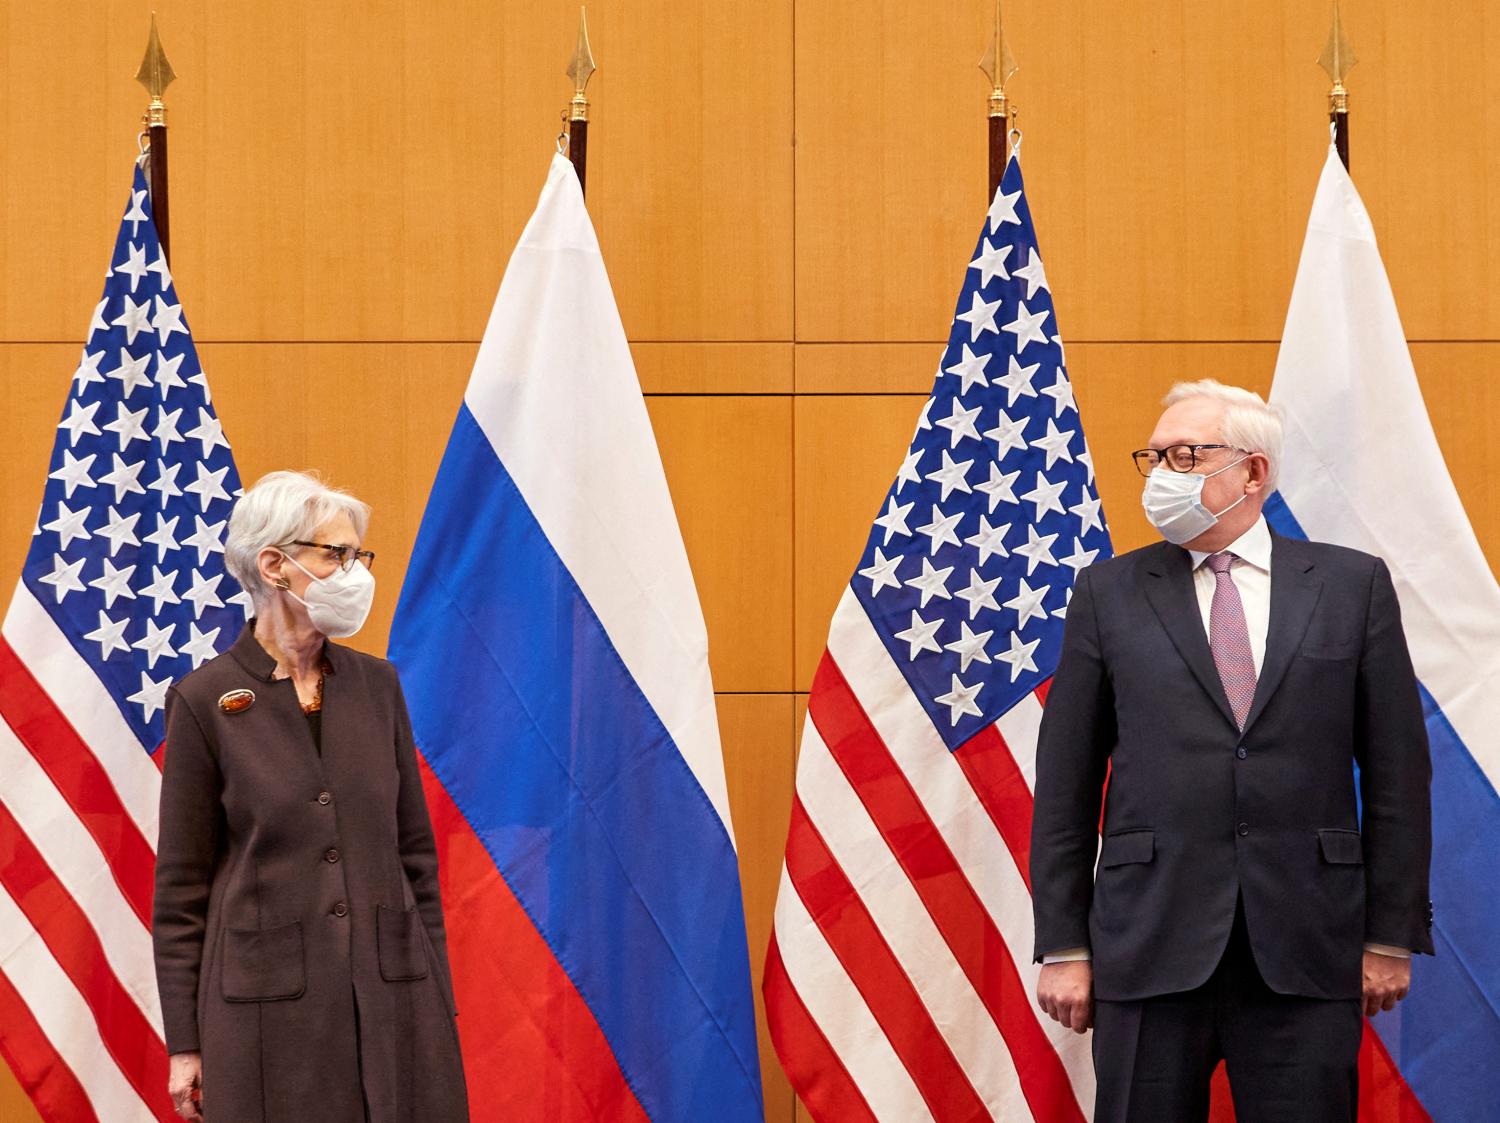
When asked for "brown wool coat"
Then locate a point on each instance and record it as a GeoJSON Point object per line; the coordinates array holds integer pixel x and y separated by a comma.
{"type": "Point", "coordinates": [298, 928]}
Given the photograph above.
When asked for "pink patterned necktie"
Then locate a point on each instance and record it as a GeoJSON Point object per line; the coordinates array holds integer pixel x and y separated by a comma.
{"type": "Point", "coordinates": [1229, 638]}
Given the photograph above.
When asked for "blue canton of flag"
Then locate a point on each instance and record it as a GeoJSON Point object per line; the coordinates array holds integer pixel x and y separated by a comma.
{"type": "Point", "coordinates": [968, 571]}
{"type": "Point", "coordinates": [128, 553]}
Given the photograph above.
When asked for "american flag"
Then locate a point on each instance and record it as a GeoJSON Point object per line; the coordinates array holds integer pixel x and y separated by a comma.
{"type": "Point", "coordinates": [123, 591]}
{"type": "Point", "coordinates": [899, 983]}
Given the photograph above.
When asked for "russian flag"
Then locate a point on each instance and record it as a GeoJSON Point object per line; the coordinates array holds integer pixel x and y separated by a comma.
{"type": "Point", "coordinates": [1362, 468]}
{"type": "Point", "coordinates": [555, 662]}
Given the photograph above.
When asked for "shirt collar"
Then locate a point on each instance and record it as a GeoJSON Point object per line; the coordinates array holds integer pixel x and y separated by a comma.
{"type": "Point", "coordinates": [1253, 547]}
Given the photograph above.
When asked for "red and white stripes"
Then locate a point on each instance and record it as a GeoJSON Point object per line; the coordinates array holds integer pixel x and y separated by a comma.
{"type": "Point", "coordinates": [80, 1021]}
{"type": "Point", "coordinates": [899, 983]}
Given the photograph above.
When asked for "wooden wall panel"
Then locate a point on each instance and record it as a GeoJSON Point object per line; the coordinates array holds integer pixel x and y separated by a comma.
{"type": "Point", "coordinates": [15, 1105]}
{"type": "Point", "coordinates": [357, 171]}
{"type": "Point", "coordinates": [736, 516]}
{"type": "Point", "coordinates": [1171, 151]}
{"type": "Point", "coordinates": [759, 735]}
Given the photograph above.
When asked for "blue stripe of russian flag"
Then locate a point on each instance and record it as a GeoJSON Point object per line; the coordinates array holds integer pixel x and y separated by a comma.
{"type": "Point", "coordinates": [1445, 1038]}
{"type": "Point", "coordinates": [534, 725]}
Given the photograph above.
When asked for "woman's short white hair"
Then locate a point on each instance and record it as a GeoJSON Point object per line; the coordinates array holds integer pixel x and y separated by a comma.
{"type": "Point", "coordinates": [1249, 423]}
{"type": "Point", "coordinates": [282, 507]}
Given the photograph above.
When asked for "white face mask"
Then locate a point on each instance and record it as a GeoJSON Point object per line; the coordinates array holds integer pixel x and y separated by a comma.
{"type": "Point", "coordinates": [1174, 503]}
{"type": "Point", "coordinates": [337, 604]}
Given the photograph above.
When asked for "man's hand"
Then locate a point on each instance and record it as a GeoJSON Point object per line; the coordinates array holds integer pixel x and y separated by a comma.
{"type": "Point", "coordinates": [1387, 979]}
{"type": "Point", "coordinates": [1066, 991]}
{"type": "Point", "coordinates": [185, 1084]}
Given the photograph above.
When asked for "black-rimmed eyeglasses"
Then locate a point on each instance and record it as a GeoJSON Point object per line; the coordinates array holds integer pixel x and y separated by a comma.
{"type": "Point", "coordinates": [343, 556]}
{"type": "Point", "coordinates": [1179, 458]}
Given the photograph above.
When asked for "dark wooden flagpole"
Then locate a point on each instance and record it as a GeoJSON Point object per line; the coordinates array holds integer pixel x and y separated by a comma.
{"type": "Point", "coordinates": [998, 66]}
{"type": "Point", "coordinates": [1338, 59]}
{"type": "Point", "coordinates": [581, 69]}
{"type": "Point", "coordinates": [156, 75]}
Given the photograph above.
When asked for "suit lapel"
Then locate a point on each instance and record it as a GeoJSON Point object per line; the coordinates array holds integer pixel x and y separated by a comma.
{"type": "Point", "coordinates": [1295, 589]}
{"type": "Point", "coordinates": [1169, 589]}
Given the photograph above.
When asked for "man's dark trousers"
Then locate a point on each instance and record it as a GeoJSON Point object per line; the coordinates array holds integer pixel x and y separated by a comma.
{"type": "Point", "coordinates": [1154, 1058]}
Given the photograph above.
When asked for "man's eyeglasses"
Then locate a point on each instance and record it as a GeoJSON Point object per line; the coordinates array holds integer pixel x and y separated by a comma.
{"type": "Point", "coordinates": [344, 556]}
{"type": "Point", "coordinates": [1179, 458]}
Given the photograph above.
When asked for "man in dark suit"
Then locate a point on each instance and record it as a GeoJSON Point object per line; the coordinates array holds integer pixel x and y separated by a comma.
{"type": "Point", "coordinates": [1248, 904]}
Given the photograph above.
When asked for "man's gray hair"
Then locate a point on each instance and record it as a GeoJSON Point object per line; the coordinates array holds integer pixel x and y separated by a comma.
{"type": "Point", "coordinates": [281, 508]}
{"type": "Point", "coordinates": [1250, 423]}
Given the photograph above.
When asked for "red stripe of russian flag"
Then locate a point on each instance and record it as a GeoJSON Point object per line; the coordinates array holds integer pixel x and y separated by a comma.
{"type": "Point", "coordinates": [532, 1048]}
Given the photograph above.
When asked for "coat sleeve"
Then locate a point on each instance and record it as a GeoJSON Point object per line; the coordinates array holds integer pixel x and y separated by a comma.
{"type": "Point", "coordinates": [1073, 749]}
{"type": "Point", "coordinates": [189, 840]}
{"type": "Point", "coordinates": [1395, 776]}
{"type": "Point", "coordinates": [414, 836]}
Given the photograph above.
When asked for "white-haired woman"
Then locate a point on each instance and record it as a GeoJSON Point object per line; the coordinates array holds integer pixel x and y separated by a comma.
{"type": "Point", "coordinates": [300, 952]}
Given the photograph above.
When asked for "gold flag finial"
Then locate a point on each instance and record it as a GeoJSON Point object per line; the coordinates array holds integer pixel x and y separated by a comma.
{"type": "Point", "coordinates": [998, 66]}
{"type": "Point", "coordinates": [581, 69]}
{"type": "Point", "coordinates": [156, 74]}
{"type": "Point", "coordinates": [1338, 59]}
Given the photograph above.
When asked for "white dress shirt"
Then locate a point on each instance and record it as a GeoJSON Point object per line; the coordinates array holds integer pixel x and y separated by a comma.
{"type": "Point", "coordinates": [1251, 574]}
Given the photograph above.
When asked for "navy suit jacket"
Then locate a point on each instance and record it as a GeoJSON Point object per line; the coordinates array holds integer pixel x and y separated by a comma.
{"type": "Point", "coordinates": [1200, 815]}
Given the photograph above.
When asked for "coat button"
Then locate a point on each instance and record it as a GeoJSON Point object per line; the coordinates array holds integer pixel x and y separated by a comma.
{"type": "Point", "coordinates": [340, 909]}
{"type": "Point", "coordinates": [333, 855]}
{"type": "Point", "coordinates": [1244, 830]}
{"type": "Point", "coordinates": [324, 798]}
{"type": "Point", "coordinates": [1242, 752]}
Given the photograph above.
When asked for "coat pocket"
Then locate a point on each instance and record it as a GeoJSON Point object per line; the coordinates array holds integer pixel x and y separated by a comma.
{"type": "Point", "coordinates": [1128, 847]}
{"type": "Point", "coordinates": [263, 964]}
{"type": "Point", "coordinates": [398, 936]}
{"type": "Point", "coordinates": [1341, 847]}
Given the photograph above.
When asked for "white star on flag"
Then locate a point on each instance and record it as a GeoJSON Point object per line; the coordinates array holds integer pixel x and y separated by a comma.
{"type": "Point", "coordinates": [152, 695]}
{"type": "Point", "coordinates": [1019, 656]}
{"type": "Point", "coordinates": [980, 593]}
{"type": "Point", "coordinates": [1017, 381]}
{"type": "Point", "coordinates": [134, 266]}
{"type": "Point", "coordinates": [1055, 444]}
{"type": "Point", "coordinates": [135, 319]}
{"type": "Point", "coordinates": [1037, 550]}
{"type": "Point", "coordinates": [920, 635]}
{"type": "Point", "coordinates": [951, 476]}
{"type": "Point", "coordinates": [960, 423]}
{"type": "Point", "coordinates": [894, 520]}
{"type": "Point", "coordinates": [960, 699]}
{"type": "Point", "coordinates": [1033, 274]}
{"type": "Point", "coordinates": [1028, 603]}
{"type": "Point", "coordinates": [931, 582]}
{"type": "Point", "coordinates": [989, 540]}
{"type": "Point", "coordinates": [1000, 487]}
{"type": "Point", "coordinates": [969, 647]}
{"type": "Point", "coordinates": [970, 370]}
{"type": "Point", "coordinates": [74, 473]}
{"type": "Point", "coordinates": [980, 317]}
{"type": "Point", "coordinates": [1003, 210]}
{"type": "Point", "coordinates": [1027, 327]}
{"type": "Point", "coordinates": [940, 529]}
{"type": "Point", "coordinates": [1007, 434]}
{"type": "Point", "coordinates": [1044, 495]}
{"type": "Point", "coordinates": [882, 573]}
{"type": "Point", "coordinates": [991, 263]}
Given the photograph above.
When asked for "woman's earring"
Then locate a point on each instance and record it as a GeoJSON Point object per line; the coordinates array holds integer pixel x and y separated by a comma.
{"type": "Point", "coordinates": [282, 583]}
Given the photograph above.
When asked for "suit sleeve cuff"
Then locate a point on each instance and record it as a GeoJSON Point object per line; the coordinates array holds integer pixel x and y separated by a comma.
{"type": "Point", "coordinates": [1387, 949]}
{"type": "Point", "coordinates": [1068, 955]}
